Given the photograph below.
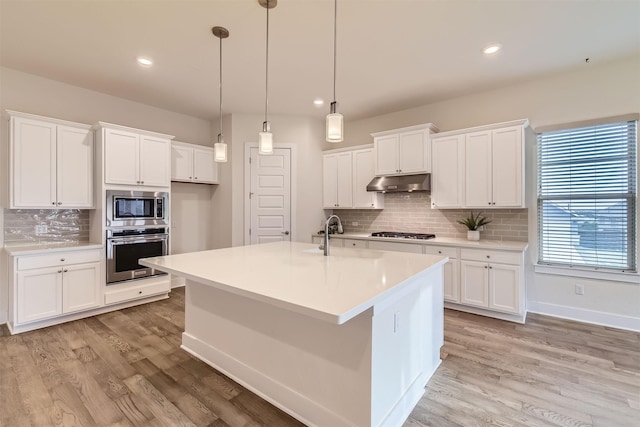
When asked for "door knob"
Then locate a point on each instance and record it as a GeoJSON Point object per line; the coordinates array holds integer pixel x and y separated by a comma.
{"type": "Point", "coordinates": [286, 233]}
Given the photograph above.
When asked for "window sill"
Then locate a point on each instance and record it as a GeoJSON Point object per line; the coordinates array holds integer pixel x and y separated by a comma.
{"type": "Point", "coordinates": [588, 273]}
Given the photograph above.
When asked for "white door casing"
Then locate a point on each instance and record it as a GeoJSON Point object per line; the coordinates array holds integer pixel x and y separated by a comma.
{"type": "Point", "coordinates": [269, 196]}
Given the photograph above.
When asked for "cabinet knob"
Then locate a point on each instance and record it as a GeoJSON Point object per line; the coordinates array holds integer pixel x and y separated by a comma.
{"type": "Point", "coordinates": [196, 177]}
{"type": "Point", "coordinates": [59, 271]}
{"type": "Point", "coordinates": [439, 252]}
{"type": "Point", "coordinates": [62, 259]}
{"type": "Point", "coordinates": [139, 292]}
{"type": "Point", "coordinates": [489, 203]}
{"type": "Point", "coordinates": [190, 178]}
{"type": "Point", "coordinates": [141, 182]}
{"type": "Point", "coordinates": [59, 203]}
{"type": "Point", "coordinates": [490, 267]}
{"type": "Point", "coordinates": [53, 203]}
{"type": "Point", "coordinates": [65, 270]}
{"type": "Point", "coordinates": [486, 266]}
{"type": "Point", "coordinates": [493, 203]}
{"type": "Point", "coordinates": [488, 256]}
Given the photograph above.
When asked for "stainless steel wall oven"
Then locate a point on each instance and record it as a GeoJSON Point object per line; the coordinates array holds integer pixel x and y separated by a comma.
{"type": "Point", "coordinates": [126, 246]}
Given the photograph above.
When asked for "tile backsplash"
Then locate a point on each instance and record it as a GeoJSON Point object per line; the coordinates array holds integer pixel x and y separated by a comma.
{"type": "Point", "coordinates": [411, 212]}
{"type": "Point", "coordinates": [62, 225]}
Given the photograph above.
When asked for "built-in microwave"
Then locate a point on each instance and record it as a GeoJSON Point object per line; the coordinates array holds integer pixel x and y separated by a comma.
{"type": "Point", "coordinates": [136, 208]}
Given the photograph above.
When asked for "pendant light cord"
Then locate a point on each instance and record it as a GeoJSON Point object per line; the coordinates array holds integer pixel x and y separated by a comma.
{"type": "Point", "coordinates": [335, 36]}
{"type": "Point", "coordinates": [220, 87]}
{"type": "Point", "coordinates": [266, 82]}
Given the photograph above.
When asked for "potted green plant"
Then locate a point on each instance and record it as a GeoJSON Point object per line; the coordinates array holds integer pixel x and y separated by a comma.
{"type": "Point", "coordinates": [473, 222]}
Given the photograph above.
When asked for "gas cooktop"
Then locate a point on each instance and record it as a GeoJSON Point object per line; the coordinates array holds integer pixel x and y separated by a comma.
{"type": "Point", "coordinates": [399, 235]}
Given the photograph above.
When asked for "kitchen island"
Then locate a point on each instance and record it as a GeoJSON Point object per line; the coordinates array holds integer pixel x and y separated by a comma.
{"type": "Point", "coordinates": [345, 340]}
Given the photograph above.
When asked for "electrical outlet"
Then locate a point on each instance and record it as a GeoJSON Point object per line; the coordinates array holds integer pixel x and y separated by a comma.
{"type": "Point", "coordinates": [41, 229]}
{"type": "Point", "coordinates": [579, 289]}
{"type": "Point", "coordinates": [354, 223]}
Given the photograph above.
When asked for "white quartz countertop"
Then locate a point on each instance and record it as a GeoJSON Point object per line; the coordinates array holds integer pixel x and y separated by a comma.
{"type": "Point", "coordinates": [441, 241]}
{"type": "Point", "coordinates": [44, 248]}
{"type": "Point", "coordinates": [298, 277]}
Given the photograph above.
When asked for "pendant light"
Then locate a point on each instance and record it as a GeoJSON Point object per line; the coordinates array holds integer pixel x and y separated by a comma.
{"type": "Point", "coordinates": [220, 148]}
{"type": "Point", "coordinates": [265, 138]}
{"type": "Point", "coordinates": [334, 119]}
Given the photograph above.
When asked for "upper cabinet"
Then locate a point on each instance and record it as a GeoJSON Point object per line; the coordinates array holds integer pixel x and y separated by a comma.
{"type": "Point", "coordinates": [135, 157]}
{"type": "Point", "coordinates": [403, 151]}
{"type": "Point", "coordinates": [193, 163]}
{"type": "Point", "coordinates": [479, 167]}
{"type": "Point", "coordinates": [51, 163]}
{"type": "Point", "coordinates": [346, 174]}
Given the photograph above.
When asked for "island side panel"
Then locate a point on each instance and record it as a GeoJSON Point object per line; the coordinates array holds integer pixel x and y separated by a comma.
{"type": "Point", "coordinates": [407, 337]}
{"type": "Point", "coordinates": [316, 371]}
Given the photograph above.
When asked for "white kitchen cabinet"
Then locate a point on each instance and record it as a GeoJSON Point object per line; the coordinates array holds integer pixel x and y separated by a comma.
{"type": "Point", "coordinates": [337, 180]}
{"type": "Point", "coordinates": [193, 163]}
{"type": "Point", "coordinates": [363, 172]}
{"type": "Point", "coordinates": [51, 163]}
{"type": "Point", "coordinates": [492, 280]}
{"type": "Point", "coordinates": [395, 246]}
{"type": "Point", "coordinates": [403, 151]}
{"type": "Point", "coordinates": [479, 167]}
{"type": "Point", "coordinates": [447, 179]}
{"type": "Point", "coordinates": [134, 157]}
{"type": "Point", "coordinates": [355, 243]}
{"type": "Point", "coordinates": [56, 284]}
{"type": "Point", "coordinates": [451, 276]}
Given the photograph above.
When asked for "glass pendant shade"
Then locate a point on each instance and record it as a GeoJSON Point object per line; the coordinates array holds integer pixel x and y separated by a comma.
{"type": "Point", "coordinates": [335, 128]}
{"type": "Point", "coordinates": [220, 151]}
{"type": "Point", "coordinates": [265, 143]}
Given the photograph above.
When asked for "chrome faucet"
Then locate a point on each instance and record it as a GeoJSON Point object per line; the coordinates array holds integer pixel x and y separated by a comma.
{"type": "Point", "coordinates": [325, 243]}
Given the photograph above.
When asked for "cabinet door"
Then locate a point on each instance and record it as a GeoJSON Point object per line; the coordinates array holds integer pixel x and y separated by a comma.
{"type": "Point", "coordinates": [507, 167]}
{"type": "Point", "coordinates": [451, 281]}
{"type": "Point", "coordinates": [395, 246]}
{"type": "Point", "coordinates": [121, 157]}
{"type": "Point", "coordinates": [330, 181]}
{"type": "Point", "coordinates": [155, 160]}
{"type": "Point", "coordinates": [181, 163]}
{"type": "Point", "coordinates": [345, 180]}
{"type": "Point", "coordinates": [75, 167]}
{"type": "Point", "coordinates": [478, 170]}
{"type": "Point", "coordinates": [39, 294]}
{"type": "Point", "coordinates": [448, 172]}
{"type": "Point", "coordinates": [504, 288]}
{"type": "Point", "coordinates": [474, 283]}
{"type": "Point", "coordinates": [363, 172]}
{"type": "Point", "coordinates": [386, 155]}
{"type": "Point", "coordinates": [33, 164]}
{"type": "Point", "coordinates": [80, 287]}
{"type": "Point", "coordinates": [413, 156]}
{"type": "Point", "coordinates": [205, 169]}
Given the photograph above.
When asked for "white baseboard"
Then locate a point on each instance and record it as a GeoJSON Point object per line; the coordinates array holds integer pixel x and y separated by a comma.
{"type": "Point", "coordinates": [585, 316]}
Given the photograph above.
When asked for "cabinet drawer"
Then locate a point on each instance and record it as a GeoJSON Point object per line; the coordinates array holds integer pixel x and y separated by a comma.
{"type": "Point", "coordinates": [59, 258]}
{"type": "Point", "coordinates": [353, 243]}
{"type": "Point", "coordinates": [395, 246]}
{"type": "Point", "coordinates": [441, 250]}
{"type": "Point", "coordinates": [136, 291]}
{"type": "Point", "coordinates": [491, 256]}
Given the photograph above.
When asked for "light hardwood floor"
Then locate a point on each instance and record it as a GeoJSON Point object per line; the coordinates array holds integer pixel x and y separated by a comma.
{"type": "Point", "coordinates": [125, 368]}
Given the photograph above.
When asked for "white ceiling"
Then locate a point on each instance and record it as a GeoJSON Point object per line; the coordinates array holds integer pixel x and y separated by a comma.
{"type": "Point", "coordinates": [392, 54]}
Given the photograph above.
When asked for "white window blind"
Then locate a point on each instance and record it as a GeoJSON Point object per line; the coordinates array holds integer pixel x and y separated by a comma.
{"type": "Point", "coordinates": [587, 197]}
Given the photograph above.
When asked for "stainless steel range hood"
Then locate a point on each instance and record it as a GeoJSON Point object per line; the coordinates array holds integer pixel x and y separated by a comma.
{"type": "Point", "coordinates": [396, 184]}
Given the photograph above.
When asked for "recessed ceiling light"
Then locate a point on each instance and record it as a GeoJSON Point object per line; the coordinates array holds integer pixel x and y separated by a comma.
{"type": "Point", "coordinates": [318, 102]}
{"type": "Point", "coordinates": [145, 62]}
{"type": "Point", "coordinates": [491, 49]}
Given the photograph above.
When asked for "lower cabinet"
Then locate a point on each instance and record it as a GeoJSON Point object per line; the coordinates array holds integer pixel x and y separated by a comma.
{"type": "Point", "coordinates": [451, 277]}
{"type": "Point", "coordinates": [492, 279]}
{"type": "Point", "coordinates": [54, 284]}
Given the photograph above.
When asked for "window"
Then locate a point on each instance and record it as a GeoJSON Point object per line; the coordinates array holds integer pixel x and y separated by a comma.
{"type": "Point", "coordinates": [587, 197]}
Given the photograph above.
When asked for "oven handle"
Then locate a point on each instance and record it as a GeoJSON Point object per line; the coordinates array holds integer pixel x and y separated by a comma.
{"type": "Point", "coordinates": [137, 239]}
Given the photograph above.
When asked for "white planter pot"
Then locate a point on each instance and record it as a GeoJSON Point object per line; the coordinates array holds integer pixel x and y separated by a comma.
{"type": "Point", "coordinates": [473, 235]}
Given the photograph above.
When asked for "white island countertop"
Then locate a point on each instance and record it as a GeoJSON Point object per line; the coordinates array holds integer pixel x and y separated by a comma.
{"type": "Point", "coordinates": [298, 277]}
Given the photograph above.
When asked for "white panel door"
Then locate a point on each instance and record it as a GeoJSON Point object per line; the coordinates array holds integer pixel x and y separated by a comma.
{"type": "Point", "coordinates": [478, 170]}
{"type": "Point", "coordinates": [205, 169]}
{"type": "Point", "coordinates": [39, 294]}
{"type": "Point", "coordinates": [121, 157]}
{"type": "Point", "coordinates": [413, 153]}
{"type": "Point", "coordinates": [34, 164]}
{"type": "Point", "coordinates": [504, 288]}
{"type": "Point", "coordinates": [386, 155]}
{"type": "Point", "coordinates": [474, 283]}
{"type": "Point", "coordinates": [155, 160]}
{"type": "Point", "coordinates": [81, 287]}
{"type": "Point", "coordinates": [270, 196]}
{"type": "Point", "coordinates": [507, 167]}
{"type": "Point", "coordinates": [448, 172]}
{"type": "Point", "coordinates": [75, 167]}
{"type": "Point", "coordinates": [181, 163]}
